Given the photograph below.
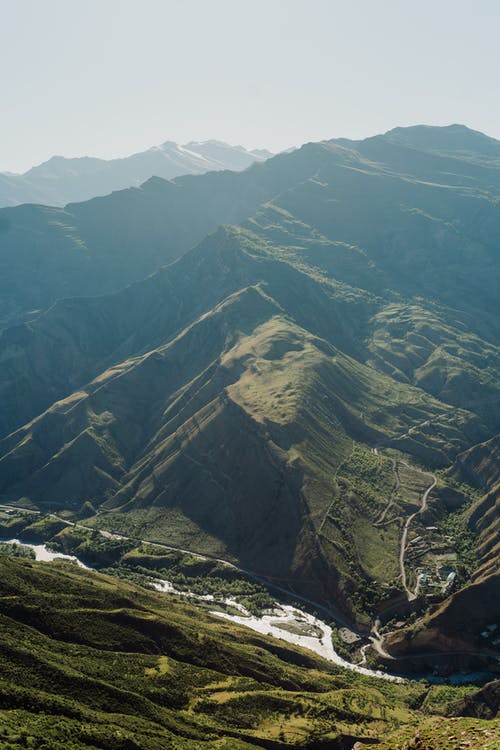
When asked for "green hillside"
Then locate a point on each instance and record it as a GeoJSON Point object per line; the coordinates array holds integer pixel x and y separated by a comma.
{"type": "Point", "coordinates": [91, 662]}
{"type": "Point", "coordinates": [266, 399]}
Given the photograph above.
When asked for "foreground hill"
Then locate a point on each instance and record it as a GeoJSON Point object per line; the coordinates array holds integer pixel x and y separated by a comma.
{"type": "Point", "coordinates": [60, 180]}
{"type": "Point", "coordinates": [91, 662]}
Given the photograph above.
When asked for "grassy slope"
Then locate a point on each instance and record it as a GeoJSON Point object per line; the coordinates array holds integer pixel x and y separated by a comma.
{"type": "Point", "coordinates": [258, 381]}
{"type": "Point", "coordinates": [244, 386]}
{"type": "Point", "coordinates": [88, 662]}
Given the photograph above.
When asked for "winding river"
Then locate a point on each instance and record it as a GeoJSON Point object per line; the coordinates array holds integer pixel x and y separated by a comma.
{"type": "Point", "coordinates": [284, 622]}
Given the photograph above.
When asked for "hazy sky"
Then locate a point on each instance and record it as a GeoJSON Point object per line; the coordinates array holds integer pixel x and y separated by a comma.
{"type": "Point", "coordinates": [109, 77]}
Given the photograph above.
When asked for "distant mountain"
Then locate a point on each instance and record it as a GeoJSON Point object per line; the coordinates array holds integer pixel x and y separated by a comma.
{"type": "Point", "coordinates": [98, 246]}
{"type": "Point", "coordinates": [62, 180]}
{"type": "Point", "coordinates": [450, 139]}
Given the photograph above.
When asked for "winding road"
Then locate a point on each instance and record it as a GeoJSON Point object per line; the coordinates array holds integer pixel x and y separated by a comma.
{"type": "Point", "coordinates": [404, 537]}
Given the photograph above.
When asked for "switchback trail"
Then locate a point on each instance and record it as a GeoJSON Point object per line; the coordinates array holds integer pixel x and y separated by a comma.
{"type": "Point", "coordinates": [406, 526]}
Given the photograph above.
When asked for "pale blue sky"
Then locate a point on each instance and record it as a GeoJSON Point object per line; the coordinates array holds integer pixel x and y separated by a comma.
{"type": "Point", "coordinates": [109, 77]}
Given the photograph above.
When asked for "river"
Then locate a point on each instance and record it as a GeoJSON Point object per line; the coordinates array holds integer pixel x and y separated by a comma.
{"type": "Point", "coordinates": [44, 554]}
{"type": "Point", "coordinates": [284, 622]}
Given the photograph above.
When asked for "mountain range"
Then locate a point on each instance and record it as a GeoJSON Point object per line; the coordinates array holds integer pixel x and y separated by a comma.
{"type": "Point", "coordinates": [62, 180]}
{"type": "Point", "coordinates": [312, 360]}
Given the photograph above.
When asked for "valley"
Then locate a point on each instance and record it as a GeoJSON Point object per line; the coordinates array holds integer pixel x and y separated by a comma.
{"type": "Point", "coordinates": [281, 351]}
{"type": "Point", "coordinates": [250, 375]}
{"type": "Point", "coordinates": [289, 428]}
{"type": "Point", "coordinates": [114, 660]}
{"type": "Point", "coordinates": [281, 621]}
{"type": "Point", "coordinates": [264, 613]}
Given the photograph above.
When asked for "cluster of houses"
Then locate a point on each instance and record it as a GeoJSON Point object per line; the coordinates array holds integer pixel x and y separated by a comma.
{"type": "Point", "coordinates": [438, 580]}
{"type": "Point", "coordinates": [433, 557]}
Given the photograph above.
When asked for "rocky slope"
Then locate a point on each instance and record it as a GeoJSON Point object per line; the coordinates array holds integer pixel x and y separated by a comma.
{"type": "Point", "coordinates": [485, 703]}
{"type": "Point", "coordinates": [480, 465]}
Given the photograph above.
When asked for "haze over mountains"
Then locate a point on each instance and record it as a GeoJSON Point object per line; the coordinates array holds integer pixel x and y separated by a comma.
{"type": "Point", "coordinates": [255, 397]}
{"type": "Point", "coordinates": [62, 180]}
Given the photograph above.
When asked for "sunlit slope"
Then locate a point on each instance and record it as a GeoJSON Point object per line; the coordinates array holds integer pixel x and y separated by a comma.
{"type": "Point", "coordinates": [89, 661]}
{"type": "Point", "coordinates": [424, 344]}
{"type": "Point", "coordinates": [229, 437]}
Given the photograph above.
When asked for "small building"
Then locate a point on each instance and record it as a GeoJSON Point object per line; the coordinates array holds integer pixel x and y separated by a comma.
{"type": "Point", "coordinates": [450, 580]}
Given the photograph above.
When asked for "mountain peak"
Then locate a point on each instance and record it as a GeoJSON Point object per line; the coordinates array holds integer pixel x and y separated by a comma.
{"type": "Point", "coordinates": [61, 180]}
{"type": "Point", "coordinates": [448, 138]}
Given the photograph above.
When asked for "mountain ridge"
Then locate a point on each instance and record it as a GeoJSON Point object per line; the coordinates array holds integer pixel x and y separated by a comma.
{"type": "Point", "coordinates": [303, 368]}
{"type": "Point", "coordinates": [61, 180]}
{"type": "Point", "coordinates": [242, 385]}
